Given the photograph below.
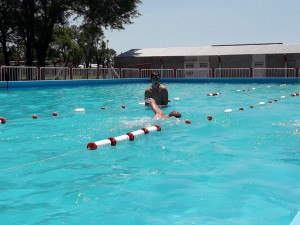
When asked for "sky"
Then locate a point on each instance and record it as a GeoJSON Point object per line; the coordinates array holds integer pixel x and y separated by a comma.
{"type": "Point", "coordinates": [195, 23]}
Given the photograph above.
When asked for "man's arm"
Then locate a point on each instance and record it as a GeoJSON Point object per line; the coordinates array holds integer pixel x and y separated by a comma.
{"type": "Point", "coordinates": [165, 95]}
{"type": "Point", "coordinates": [147, 93]}
{"type": "Point", "coordinates": [157, 111]}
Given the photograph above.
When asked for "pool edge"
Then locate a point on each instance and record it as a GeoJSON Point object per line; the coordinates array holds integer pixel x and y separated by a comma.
{"type": "Point", "coordinates": [60, 83]}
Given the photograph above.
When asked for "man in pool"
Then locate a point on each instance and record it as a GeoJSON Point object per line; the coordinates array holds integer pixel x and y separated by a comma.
{"type": "Point", "coordinates": [159, 114]}
{"type": "Point", "coordinates": [157, 91]}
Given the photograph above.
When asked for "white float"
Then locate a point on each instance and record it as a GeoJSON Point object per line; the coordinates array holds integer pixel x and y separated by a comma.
{"type": "Point", "coordinates": [80, 110]}
{"type": "Point", "coordinates": [227, 110]}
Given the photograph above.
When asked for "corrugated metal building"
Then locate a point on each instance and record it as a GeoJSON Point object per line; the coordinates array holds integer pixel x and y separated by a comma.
{"type": "Point", "coordinates": [262, 55]}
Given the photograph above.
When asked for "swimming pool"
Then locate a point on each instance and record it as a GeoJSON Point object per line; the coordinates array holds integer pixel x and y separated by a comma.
{"type": "Point", "coordinates": [241, 167]}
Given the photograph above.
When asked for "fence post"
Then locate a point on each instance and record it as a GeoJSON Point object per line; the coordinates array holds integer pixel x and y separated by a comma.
{"type": "Point", "coordinates": [213, 72]}
{"type": "Point", "coordinates": [297, 71]}
{"type": "Point", "coordinates": [71, 72]}
{"type": "Point", "coordinates": [38, 73]}
{"type": "Point", "coordinates": [174, 73]}
{"type": "Point", "coordinates": [251, 72]}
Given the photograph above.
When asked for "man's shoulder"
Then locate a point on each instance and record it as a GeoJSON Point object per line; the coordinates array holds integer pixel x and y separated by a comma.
{"type": "Point", "coordinates": [148, 89]}
{"type": "Point", "coordinates": [163, 88]}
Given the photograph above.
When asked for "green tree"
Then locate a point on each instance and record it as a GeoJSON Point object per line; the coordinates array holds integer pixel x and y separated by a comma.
{"type": "Point", "coordinates": [111, 54]}
{"type": "Point", "coordinates": [87, 40]}
{"type": "Point", "coordinates": [101, 53]}
{"type": "Point", "coordinates": [40, 16]}
{"type": "Point", "coordinates": [34, 21]}
{"type": "Point", "coordinates": [7, 26]}
{"type": "Point", "coordinates": [76, 56]}
{"type": "Point", "coordinates": [64, 43]}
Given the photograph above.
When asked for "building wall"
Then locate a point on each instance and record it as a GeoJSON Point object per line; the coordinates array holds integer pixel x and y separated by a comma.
{"type": "Point", "coordinates": [236, 61]}
{"type": "Point", "coordinates": [133, 62]}
{"type": "Point", "coordinates": [171, 62]}
{"type": "Point", "coordinates": [224, 61]}
{"type": "Point", "coordinates": [275, 61]}
{"type": "Point", "coordinates": [293, 60]}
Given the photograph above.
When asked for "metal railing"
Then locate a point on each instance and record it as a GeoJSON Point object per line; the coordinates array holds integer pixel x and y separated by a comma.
{"type": "Point", "coordinates": [274, 72]}
{"type": "Point", "coordinates": [23, 73]}
{"type": "Point", "coordinates": [95, 73]}
{"type": "Point", "coordinates": [164, 73]}
{"type": "Point", "coordinates": [54, 73]}
{"type": "Point", "coordinates": [18, 73]}
{"type": "Point", "coordinates": [232, 73]}
{"type": "Point", "coordinates": [194, 73]}
{"type": "Point", "coordinates": [130, 73]}
{"type": "Point", "coordinates": [85, 73]}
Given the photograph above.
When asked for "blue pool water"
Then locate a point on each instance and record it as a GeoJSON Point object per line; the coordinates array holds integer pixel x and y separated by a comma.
{"type": "Point", "coordinates": [240, 168]}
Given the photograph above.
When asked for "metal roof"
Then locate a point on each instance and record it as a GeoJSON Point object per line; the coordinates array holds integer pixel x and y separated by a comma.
{"type": "Point", "coordinates": [235, 49]}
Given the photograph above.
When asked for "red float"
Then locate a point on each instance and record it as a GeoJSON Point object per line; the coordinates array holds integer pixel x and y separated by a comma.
{"type": "Point", "coordinates": [158, 127]}
{"type": "Point", "coordinates": [213, 94]}
{"type": "Point", "coordinates": [92, 146]}
{"type": "Point", "coordinates": [146, 131]}
{"type": "Point", "coordinates": [295, 94]}
{"type": "Point", "coordinates": [187, 121]}
{"type": "Point", "coordinates": [113, 141]}
{"type": "Point", "coordinates": [131, 136]}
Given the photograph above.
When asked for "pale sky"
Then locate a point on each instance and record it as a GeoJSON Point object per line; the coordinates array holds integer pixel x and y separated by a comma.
{"type": "Point", "coordinates": [194, 23]}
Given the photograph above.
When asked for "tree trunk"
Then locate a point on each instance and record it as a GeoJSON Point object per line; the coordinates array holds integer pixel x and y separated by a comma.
{"type": "Point", "coordinates": [29, 59]}
{"type": "Point", "coordinates": [43, 41]}
{"type": "Point", "coordinates": [29, 17]}
{"type": "Point", "coordinates": [41, 56]}
{"type": "Point", "coordinates": [5, 54]}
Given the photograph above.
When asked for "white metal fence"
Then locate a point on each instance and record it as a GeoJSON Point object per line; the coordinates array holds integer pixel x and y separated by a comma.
{"type": "Point", "coordinates": [193, 73]}
{"type": "Point", "coordinates": [130, 73]}
{"type": "Point", "coordinates": [95, 73]}
{"type": "Point", "coordinates": [232, 73]}
{"type": "Point", "coordinates": [164, 73]}
{"type": "Point", "coordinates": [85, 73]}
{"type": "Point", "coordinates": [23, 73]}
{"type": "Point", "coordinates": [18, 73]}
{"type": "Point", "coordinates": [55, 73]}
{"type": "Point", "coordinates": [274, 72]}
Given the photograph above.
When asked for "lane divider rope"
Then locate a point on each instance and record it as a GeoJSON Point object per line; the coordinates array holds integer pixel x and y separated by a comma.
{"type": "Point", "coordinates": [128, 136]}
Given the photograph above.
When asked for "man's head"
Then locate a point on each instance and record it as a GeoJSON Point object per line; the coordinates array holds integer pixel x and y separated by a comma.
{"type": "Point", "coordinates": [175, 113]}
{"type": "Point", "coordinates": [155, 76]}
